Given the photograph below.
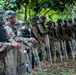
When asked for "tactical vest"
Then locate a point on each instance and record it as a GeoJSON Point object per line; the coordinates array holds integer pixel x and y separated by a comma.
{"type": "Point", "coordinates": [3, 37]}
{"type": "Point", "coordinates": [13, 28]}
{"type": "Point", "coordinates": [38, 30]}
{"type": "Point", "coordinates": [33, 35]}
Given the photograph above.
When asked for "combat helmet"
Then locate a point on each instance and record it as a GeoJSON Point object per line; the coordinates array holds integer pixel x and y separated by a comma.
{"type": "Point", "coordinates": [10, 13]}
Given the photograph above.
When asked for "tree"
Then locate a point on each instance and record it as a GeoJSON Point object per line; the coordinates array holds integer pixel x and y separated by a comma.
{"type": "Point", "coordinates": [37, 5]}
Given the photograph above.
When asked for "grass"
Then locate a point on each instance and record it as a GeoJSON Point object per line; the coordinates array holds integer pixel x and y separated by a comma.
{"type": "Point", "coordinates": [63, 68]}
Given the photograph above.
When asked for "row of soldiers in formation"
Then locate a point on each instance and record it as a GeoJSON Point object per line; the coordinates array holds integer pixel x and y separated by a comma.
{"type": "Point", "coordinates": [23, 44]}
{"type": "Point", "coordinates": [13, 46]}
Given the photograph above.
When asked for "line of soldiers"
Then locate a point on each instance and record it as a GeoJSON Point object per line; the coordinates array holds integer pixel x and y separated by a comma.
{"type": "Point", "coordinates": [24, 45]}
{"type": "Point", "coordinates": [13, 46]}
{"type": "Point", "coordinates": [56, 41]}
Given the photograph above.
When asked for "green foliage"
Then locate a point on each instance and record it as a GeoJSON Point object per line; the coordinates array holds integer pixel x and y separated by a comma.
{"type": "Point", "coordinates": [52, 4]}
{"type": "Point", "coordinates": [53, 9]}
{"type": "Point", "coordinates": [20, 14]}
{"type": "Point", "coordinates": [2, 3]}
{"type": "Point", "coordinates": [37, 5]}
{"type": "Point", "coordinates": [15, 4]}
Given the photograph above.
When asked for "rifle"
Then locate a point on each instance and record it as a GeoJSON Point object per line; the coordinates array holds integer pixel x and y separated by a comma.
{"type": "Point", "coordinates": [25, 66]}
{"type": "Point", "coordinates": [34, 48]}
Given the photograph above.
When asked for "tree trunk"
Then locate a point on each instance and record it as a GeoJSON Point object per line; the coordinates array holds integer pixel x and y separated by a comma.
{"type": "Point", "coordinates": [29, 14]}
{"type": "Point", "coordinates": [25, 16]}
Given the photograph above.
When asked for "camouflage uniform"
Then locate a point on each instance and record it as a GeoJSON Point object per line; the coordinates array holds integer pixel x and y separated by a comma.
{"type": "Point", "coordinates": [38, 34]}
{"type": "Point", "coordinates": [36, 30]}
{"type": "Point", "coordinates": [52, 34]}
{"type": "Point", "coordinates": [11, 57]}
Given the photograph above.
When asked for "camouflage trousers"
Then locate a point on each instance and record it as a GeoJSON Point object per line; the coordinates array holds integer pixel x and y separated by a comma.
{"type": "Point", "coordinates": [1, 67]}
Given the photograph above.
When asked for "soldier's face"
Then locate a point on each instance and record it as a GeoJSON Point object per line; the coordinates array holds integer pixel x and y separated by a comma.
{"type": "Point", "coordinates": [12, 20]}
{"type": "Point", "coordinates": [43, 20]}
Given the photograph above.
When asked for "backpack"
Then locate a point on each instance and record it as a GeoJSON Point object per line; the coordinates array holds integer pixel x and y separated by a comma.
{"type": "Point", "coordinates": [3, 37]}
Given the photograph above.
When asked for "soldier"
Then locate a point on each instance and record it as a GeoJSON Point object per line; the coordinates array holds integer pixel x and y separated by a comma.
{"type": "Point", "coordinates": [43, 31]}
{"type": "Point", "coordinates": [24, 29]}
{"type": "Point", "coordinates": [70, 31]}
{"type": "Point", "coordinates": [51, 32]}
{"type": "Point", "coordinates": [11, 33]}
{"type": "Point", "coordinates": [66, 38]}
{"type": "Point", "coordinates": [37, 34]}
{"type": "Point", "coordinates": [60, 35]}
